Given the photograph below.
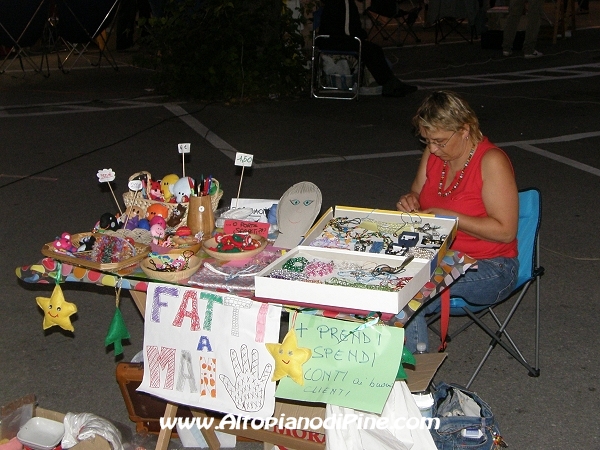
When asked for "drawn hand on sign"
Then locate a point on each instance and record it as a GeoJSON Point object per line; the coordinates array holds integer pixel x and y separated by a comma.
{"type": "Point", "coordinates": [248, 390]}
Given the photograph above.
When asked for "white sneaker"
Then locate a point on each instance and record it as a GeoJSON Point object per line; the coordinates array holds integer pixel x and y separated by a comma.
{"type": "Point", "coordinates": [535, 54]}
{"type": "Point", "coordinates": [507, 53]}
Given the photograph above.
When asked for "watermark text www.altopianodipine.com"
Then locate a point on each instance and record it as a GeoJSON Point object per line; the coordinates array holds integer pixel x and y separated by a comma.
{"type": "Point", "coordinates": [333, 422]}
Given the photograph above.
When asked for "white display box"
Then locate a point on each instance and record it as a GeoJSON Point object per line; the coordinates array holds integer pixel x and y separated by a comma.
{"type": "Point", "coordinates": [341, 297]}
{"type": "Point", "coordinates": [344, 298]}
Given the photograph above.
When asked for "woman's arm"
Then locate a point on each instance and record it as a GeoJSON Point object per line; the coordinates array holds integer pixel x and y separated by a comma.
{"type": "Point", "coordinates": [501, 200]}
{"type": "Point", "coordinates": [410, 202]}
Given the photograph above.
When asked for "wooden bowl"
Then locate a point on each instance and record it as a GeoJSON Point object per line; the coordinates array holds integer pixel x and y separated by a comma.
{"type": "Point", "coordinates": [176, 250]}
{"type": "Point", "coordinates": [224, 256]}
{"type": "Point", "coordinates": [171, 277]}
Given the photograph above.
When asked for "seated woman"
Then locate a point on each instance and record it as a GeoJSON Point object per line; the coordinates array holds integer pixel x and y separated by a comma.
{"type": "Point", "coordinates": [462, 174]}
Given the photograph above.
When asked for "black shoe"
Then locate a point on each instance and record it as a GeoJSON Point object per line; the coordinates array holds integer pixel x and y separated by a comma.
{"type": "Point", "coordinates": [396, 88]}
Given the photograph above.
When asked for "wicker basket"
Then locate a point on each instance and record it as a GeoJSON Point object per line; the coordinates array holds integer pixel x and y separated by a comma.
{"type": "Point", "coordinates": [131, 199]}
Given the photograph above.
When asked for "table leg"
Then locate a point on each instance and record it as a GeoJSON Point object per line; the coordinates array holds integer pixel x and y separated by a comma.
{"type": "Point", "coordinates": [139, 299]}
{"type": "Point", "coordinates": [165, 433]}
{"type": "Point", "coordinates": [209, 434]}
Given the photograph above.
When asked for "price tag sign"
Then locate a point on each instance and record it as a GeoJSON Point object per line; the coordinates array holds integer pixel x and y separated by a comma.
{"type": "Point", "coordinates": [184, 148]}
{"type": "Point", "coordinates": [243, 159]}
{"type": "Point", "coordinates": [135, 185]}
{"type": "Point", "coordinates": [242, 226]}
{"type": "Point", "coordinates": [105, 175]}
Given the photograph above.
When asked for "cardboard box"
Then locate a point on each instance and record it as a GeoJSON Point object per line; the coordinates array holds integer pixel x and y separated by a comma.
{"type": "Point", "coordinates": [349, 299]}
{"type": "Point", "coordinates": [96, 443]}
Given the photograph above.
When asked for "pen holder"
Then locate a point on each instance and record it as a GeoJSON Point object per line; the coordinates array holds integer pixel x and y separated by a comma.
{"type": "Point", "coordinates": [200, 216]}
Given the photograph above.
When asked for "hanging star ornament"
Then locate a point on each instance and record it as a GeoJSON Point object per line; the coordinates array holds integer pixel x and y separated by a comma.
{"type": "Point", "coordinates": [57, 310]}
{"type": "Point", "coordinates": [289, 358]}
{"type": "Point", "coordinates": [117, 331]}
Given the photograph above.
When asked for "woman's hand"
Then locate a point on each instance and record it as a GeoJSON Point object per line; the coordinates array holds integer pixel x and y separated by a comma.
{"type": "Point", "coordinates": [408, 203]}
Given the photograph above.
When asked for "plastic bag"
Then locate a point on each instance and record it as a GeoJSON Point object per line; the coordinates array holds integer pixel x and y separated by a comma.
{"type": "Point", "coordinates": [79, 427]}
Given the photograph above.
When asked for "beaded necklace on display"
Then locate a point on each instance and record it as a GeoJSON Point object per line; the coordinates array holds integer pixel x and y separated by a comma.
{"type": "Point", "coordinates": [460, 177]}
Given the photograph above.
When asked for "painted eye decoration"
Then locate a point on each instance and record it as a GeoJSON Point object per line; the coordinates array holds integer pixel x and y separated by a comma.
{"type": "Point", "coordinates": [295, 201]}
{"type": "Point", "coordinates": [308, 202]}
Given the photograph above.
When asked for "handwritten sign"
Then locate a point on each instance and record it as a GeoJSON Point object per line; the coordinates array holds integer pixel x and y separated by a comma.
{"type": "Point", "coordinates": [184, 148]}
{"type": "Point", "coordinates": [105, 175]}
{"type": "Point", "coordinates": [207, 349]}
{"type": "Point", "coordinates": [351, 367]}
{"type": "Point", "coordinates": [135, 185]}
{"type": "Point", "coordinates": [260, 207]}
{"type": "Point", "coordinates": [242, 226]}
{"type": "Point", "coordinates": [243, 159]}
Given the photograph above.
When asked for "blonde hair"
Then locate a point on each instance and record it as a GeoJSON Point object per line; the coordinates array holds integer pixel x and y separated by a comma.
{"type": "Point", "coordinates": [446, 110]}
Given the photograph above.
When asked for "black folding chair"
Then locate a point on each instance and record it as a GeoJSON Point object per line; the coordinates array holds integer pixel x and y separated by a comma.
{"type": "Point", "coordinates": [448, 25]}
{"type": "Point", "coordinates": [81, 23]}
{"type": "Point", "coordinates": [391, 24]}
{"type": "Point", "coordinates": [340, 87]}
{"type": "Point", "coordinates": [22, 26]}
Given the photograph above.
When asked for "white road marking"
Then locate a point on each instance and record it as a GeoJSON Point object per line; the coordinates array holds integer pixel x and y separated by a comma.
{"type": "Point", "coordinates": [524, 76]}
{"type": "Point", "coordinates": [528, 145]}
{"type": "Point", "coordinates": [202, 130]}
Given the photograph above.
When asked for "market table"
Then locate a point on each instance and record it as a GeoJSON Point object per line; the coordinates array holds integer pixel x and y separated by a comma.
{"type": "Point", "coordinates": [51, 271]}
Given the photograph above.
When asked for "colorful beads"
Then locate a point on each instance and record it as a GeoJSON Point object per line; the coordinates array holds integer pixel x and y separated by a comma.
{"type": "Point", "coordinates": [235, 243]}
{"type": "Point", "coordinates": [296, 264]}
{"type": "Point", "coordinates": [319, 268]}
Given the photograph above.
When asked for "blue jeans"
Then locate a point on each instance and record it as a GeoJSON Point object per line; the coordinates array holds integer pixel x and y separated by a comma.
{"type": "Point", "coordinates": [492, 281]}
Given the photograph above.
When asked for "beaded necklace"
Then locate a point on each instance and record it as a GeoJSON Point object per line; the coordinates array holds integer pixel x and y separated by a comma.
{"type": "Point", "coordinates": [460, 177]}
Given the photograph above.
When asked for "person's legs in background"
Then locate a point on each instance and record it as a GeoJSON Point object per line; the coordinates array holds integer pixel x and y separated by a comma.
{"type": "Point", "coordinates": [515, 11]}
{"type": "Point", "coordinates": [126, 24]}
{"type": "Point", "coordinates": [374, 59]}
{"type": "Point", "coordinates": [534, 19]}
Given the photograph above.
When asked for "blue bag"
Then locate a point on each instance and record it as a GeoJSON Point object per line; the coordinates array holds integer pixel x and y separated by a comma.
{"type": "Point", "coordinates": [466, 421]}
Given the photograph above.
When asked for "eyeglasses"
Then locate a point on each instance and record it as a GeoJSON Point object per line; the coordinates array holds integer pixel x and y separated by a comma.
{"type": "Point", "coordinates": [429, 143]}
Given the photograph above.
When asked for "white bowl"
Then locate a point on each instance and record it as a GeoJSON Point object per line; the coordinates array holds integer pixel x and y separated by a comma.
{"type": "Point", "coordinates": [41, 434]}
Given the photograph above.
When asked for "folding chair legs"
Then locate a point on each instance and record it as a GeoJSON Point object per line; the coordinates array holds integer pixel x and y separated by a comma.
{"type": "Point", "coordinates": [497, 340]}
{"type": "Point", "coordinates": [500, 336]}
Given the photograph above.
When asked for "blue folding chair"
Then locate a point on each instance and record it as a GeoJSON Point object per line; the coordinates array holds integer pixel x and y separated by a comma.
{"type": "Point", "coordinates": [530, 272]}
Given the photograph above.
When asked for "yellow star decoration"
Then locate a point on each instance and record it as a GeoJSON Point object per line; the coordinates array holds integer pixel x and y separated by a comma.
{"type": "Point", "coordinates": [57, 310]}
{"type": "Point", "coordinates": [289, 358]}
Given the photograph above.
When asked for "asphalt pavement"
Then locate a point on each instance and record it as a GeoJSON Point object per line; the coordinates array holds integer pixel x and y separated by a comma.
{"type": "Point", "coordinates": [57, 132]}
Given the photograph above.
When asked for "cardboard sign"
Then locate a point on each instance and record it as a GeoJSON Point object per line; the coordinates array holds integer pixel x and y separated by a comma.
{"type": "Point", "coordinates": [260, 207]}
{"type": "Point", "coordinates": [135, 185]}
{"type": "Point", "coordinates": [242, 226]}
{"type": "Point", "coordinates": [207, 349]}
{"type": "Point", "coordinates": [352, 365]}
{"type": "Point", "coordinates": [105, 175]}
{"type": "Point", "coordinates": [243, 159]}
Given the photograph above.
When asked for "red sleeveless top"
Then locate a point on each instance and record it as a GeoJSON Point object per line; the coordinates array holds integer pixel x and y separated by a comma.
{"type": "Point", "coordinates": [465, 199]}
